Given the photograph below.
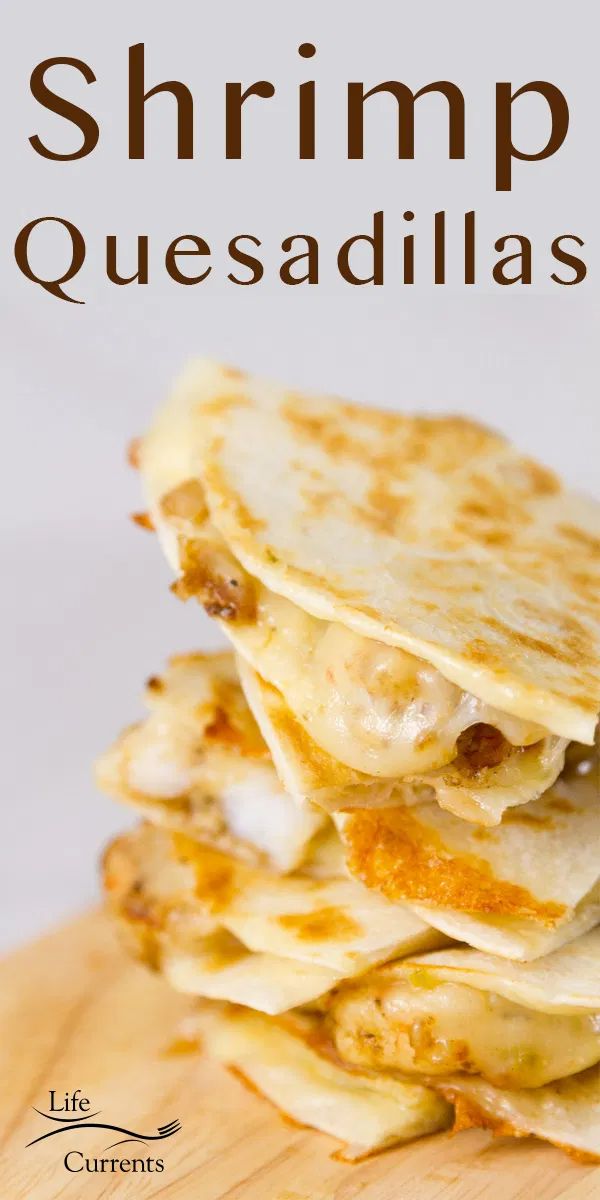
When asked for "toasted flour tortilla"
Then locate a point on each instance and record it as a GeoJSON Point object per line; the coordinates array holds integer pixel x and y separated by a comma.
{"type": "Point", "coordinates": [197, 914]}
{"type": "Point", "coordinates": [538, 864]}
{"type": "Point", "coordinates": [335, 923]}
{"type": "Point", "coordinates": [198, 764]}
{"type": "Point", "coordinates": [221, 968]}
{"type": "Point", "coordinates": [566, 1113]}
{"type": "Point", "coordinates": [367, 1113]}
{"type": "Point", "coordinates": [517, 938]}
{"type": "Point", "coordinates": [566, 981]}
{"type": "Point", "coordinates": [496, 886]}
{"type": "Point", "coordinates": [309, 773]}
{"type": "Point", "coordinates": [151, 894]}
{"type": "Point", "coordinates": [430, 534]}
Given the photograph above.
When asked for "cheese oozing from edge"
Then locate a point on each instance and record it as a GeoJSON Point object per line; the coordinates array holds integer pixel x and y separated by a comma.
{"type": "Point", "coordinates": [422, 1025]}
{"type": "Point", "coordinates": [376, 708]}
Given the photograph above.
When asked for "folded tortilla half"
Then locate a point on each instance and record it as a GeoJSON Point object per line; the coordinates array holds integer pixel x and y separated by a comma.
{"type": "Point", "coordinates": [219, 928]}
{"type": "Point", "coordinates": [366, 1112]}
{"type": "Point", "coordinates": [473, 786]}
{"type": "Point", "coordinates": [422, 596]}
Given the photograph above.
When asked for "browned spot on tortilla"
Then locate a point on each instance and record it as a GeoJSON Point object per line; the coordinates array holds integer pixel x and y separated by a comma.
{"type": "Point", "coordinates": [571, 642]}
{"type": "Point", "coordinates": [233, 725]}
{"type": "Point", "coordinates": [480, 651]}
{"type": "Point", "coordinates": [140, 916]}
{"type": "Point", "coordinates": [586, 586]}
{"type": "Point", "coordinates": [143, 520]}
{"type": "Point", "coordinates": [390, 850]}
{"type": "Point", "coordinates": [216, 580]}
{"type": "Point", "coordinates": [246, 521]}
{"type": "Point", "coordinates": [233, 372]}
{"type": "Point", "coordinates": [520, 816]}
{"type": "Point", "coordinates": [224, 403]}
{"type": "Point", "coordinates": [179, 806]}
{"type": "Point", "coordinates": [182, 1046]}
{"type": "Point", "coordinates": [560, 804]}
{"type": "Point", "coordinates": [386, 442]}
{"type": "Point", "coordinates": [214, 873]}
{"type": "Point", "coordinates": [186, 501]}
{"type": "Point", "coordinates": [221, 950]}
{"type": "Point", "coordinates": [222, 659]}
{"type": "Point", "coordinates": [133, 453]}
{"type": "Point", "coordinates": [581, 536]}
{"type": "Point", "coordinates": [384, 509]}
{"type": "Point", "coordinates": [454, 1053]}
{"type": "Point", "coordinates": [489, 537]}
{"type": "Point", "coordinates": [542, 481]}
{"type": "Point", "coordinates": [323, 925]}
{"type": "Point", "coordinates": [117, 866]}
{"type": "Point", "coordinates": [469, 1115]}
{"type": "Point", "coordinates": [141, 941]}
{"type": "Point", "coordinates": [318, 500]}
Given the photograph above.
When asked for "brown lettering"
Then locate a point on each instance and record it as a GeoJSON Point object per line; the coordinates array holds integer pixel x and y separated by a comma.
{"type": "Point", "coordinates": [137, 100]}
{"type": "Point", "coordinates": [64, 108]}
{"type": "Point", "coordinates": [406, 116]}
{"type": "Point", "coordinates": [505, 150]}
{"type": "Point", "coordinates": [235, 98]}
{"type": "Point", "coordinates": [175, 249]}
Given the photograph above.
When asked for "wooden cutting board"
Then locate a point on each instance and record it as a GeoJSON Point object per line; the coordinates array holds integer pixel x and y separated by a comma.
{"type": "Point", "coordinates": [76, 1014]}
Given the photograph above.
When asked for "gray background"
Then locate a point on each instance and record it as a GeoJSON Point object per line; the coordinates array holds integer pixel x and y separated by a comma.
{"type": "Point", "coordinates": [87, 612]}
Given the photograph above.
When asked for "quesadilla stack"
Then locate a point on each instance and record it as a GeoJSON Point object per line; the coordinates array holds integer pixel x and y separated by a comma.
{"type": "Point", "coordinates": [371, 829]}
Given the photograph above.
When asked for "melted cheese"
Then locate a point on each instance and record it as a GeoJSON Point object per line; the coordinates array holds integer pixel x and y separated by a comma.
{"type": "Point", "coordinates": [375, 708]}
{"type": "Point", "coordinates": [419, 1024]}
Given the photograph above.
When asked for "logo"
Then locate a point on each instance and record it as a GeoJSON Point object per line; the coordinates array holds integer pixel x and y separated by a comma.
{"type": "Point", "coordinates": [71, 1114]}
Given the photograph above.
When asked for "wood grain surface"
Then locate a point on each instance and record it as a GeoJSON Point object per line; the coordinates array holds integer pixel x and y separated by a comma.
{"type": "Point", "coordinates": [75, 1013]}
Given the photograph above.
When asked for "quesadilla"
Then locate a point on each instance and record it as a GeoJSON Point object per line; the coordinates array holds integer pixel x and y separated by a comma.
{"type": "Point", "coordinates": [197, 913]}
{"type": "Point", "coordinates": [198, 764]}
{"type": "Point", "coordinates": [360, 1054]}
{"type": "Point", "coordinates": [371, 835]}
{"type": "Point", "coordinates": [289, 1064]}
{"type": "Point", "coordinates": [421, 596]}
